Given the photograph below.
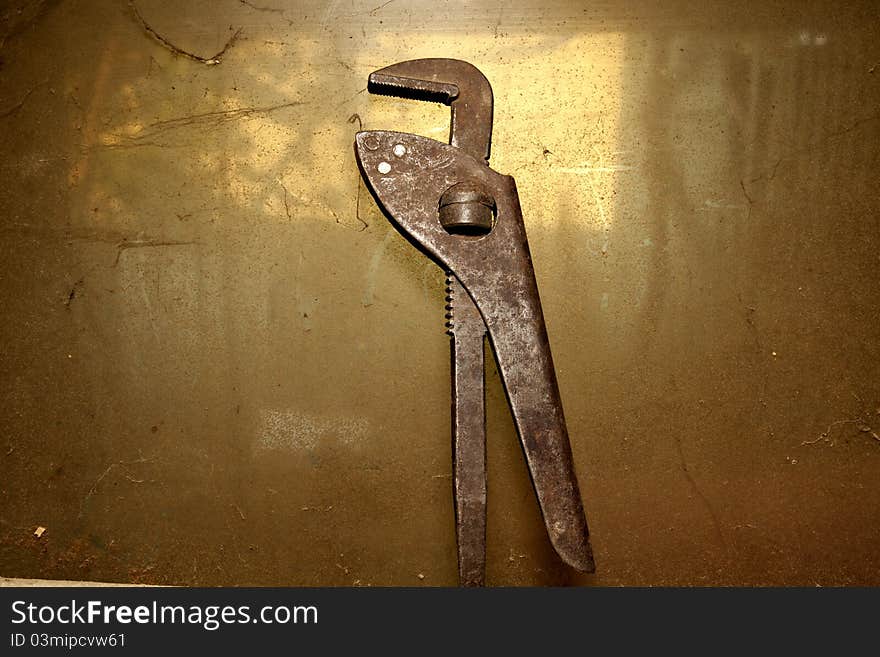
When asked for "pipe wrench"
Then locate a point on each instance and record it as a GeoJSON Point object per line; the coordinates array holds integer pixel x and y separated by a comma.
{"type": "Point", "coordinates": [447, 201]}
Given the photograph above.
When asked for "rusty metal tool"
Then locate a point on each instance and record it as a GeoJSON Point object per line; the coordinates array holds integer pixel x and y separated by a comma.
{"type": "Point", "coordinates": [465, 216]}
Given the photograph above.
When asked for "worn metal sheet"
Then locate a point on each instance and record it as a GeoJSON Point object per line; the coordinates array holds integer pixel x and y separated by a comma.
{"type": "Point", "coordinates": [222, 365]}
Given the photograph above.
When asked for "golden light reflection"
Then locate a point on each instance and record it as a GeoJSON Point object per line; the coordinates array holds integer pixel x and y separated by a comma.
{"type": "Point", "coordinates": [282, 146]}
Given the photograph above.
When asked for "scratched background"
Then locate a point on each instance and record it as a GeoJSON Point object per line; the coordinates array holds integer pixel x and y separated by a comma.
{"type": "Point", "coordinates": [221, 365]}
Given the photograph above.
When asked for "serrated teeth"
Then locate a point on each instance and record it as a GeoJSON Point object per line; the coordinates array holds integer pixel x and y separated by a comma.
{"type": "Point", "coordinates": [450, 303]}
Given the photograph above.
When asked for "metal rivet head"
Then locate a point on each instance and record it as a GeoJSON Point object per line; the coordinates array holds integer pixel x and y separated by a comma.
{"type": "Point", "coordinates": [384, 167]}
{"type": "Point", "coordinates": [399, 150]}
{"type": "Point", "coordinates": [467, 208]}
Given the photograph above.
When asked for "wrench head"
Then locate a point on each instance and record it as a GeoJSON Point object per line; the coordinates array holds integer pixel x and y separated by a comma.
{"type": "Point", "coordinates": [452, 82]}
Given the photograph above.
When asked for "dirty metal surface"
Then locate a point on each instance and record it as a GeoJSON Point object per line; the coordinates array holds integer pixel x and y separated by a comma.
{"type": "Point", "coordinates": [469, 96]}
{"type": "Point", "coordinates": [496, 272]}
{"type": "Point", "coordinates": [221, 363]}
{"type": "Point", "coordinates": [432, 192]}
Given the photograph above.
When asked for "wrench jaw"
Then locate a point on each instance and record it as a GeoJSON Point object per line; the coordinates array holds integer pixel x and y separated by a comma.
{"type": "Point", "coordinates": [449, 81]}
{"type": "Point", "coordinates": [386, 84]}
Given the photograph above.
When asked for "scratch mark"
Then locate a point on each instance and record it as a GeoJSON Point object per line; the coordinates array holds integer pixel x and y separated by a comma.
{"type": "Point", "coordinates": [821, 141]}
{"type": "Point", "coordinates": [152, 63]}
{"type": "Point", "coordinates": [699, 493]}
{"type": "Point", "coordinates": [357, 206]}
{"type": "Point", "coordinates": [284, 198]}
{"type": "Point", "coordinates": [328, 13]}
{"type": "Point", "coordinates": [141, 244]}
{"type": "Point", "coordinates": [748, 198]}
{"type": "Point", "coordinates": [149, 307]}
{"type": "Point", "coordinates": [72, 294]}
{"type": "Point", "coordinates": [373, 268]}
{"type": "Point", "coordinates": [271, 10]}
{"type": "Point", "coordinates": [750, 322]}
{"type": "Point", "coordinates": [374, 10]}
{"type": "Point", "coordinates": [103, 475]}
{"type": "Point", "coordinates": [207, 119]}
{"type": "Point", "coordinates": [31, 11]}
{"type": "Point", "coordinates": [350, 98]}
{"type": "Point", "coordinates": [844, 130]}
{"type": "Point", "coordinates": [357, 202]}
{"type": "Point", "coordinates": [326, 208]}
{"type": "Point", "coordinates": [17, 106]}
{"type": "Point", "coordinates": [210, 61]}
{"type": "Point", "coordinates": [864, 427]}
